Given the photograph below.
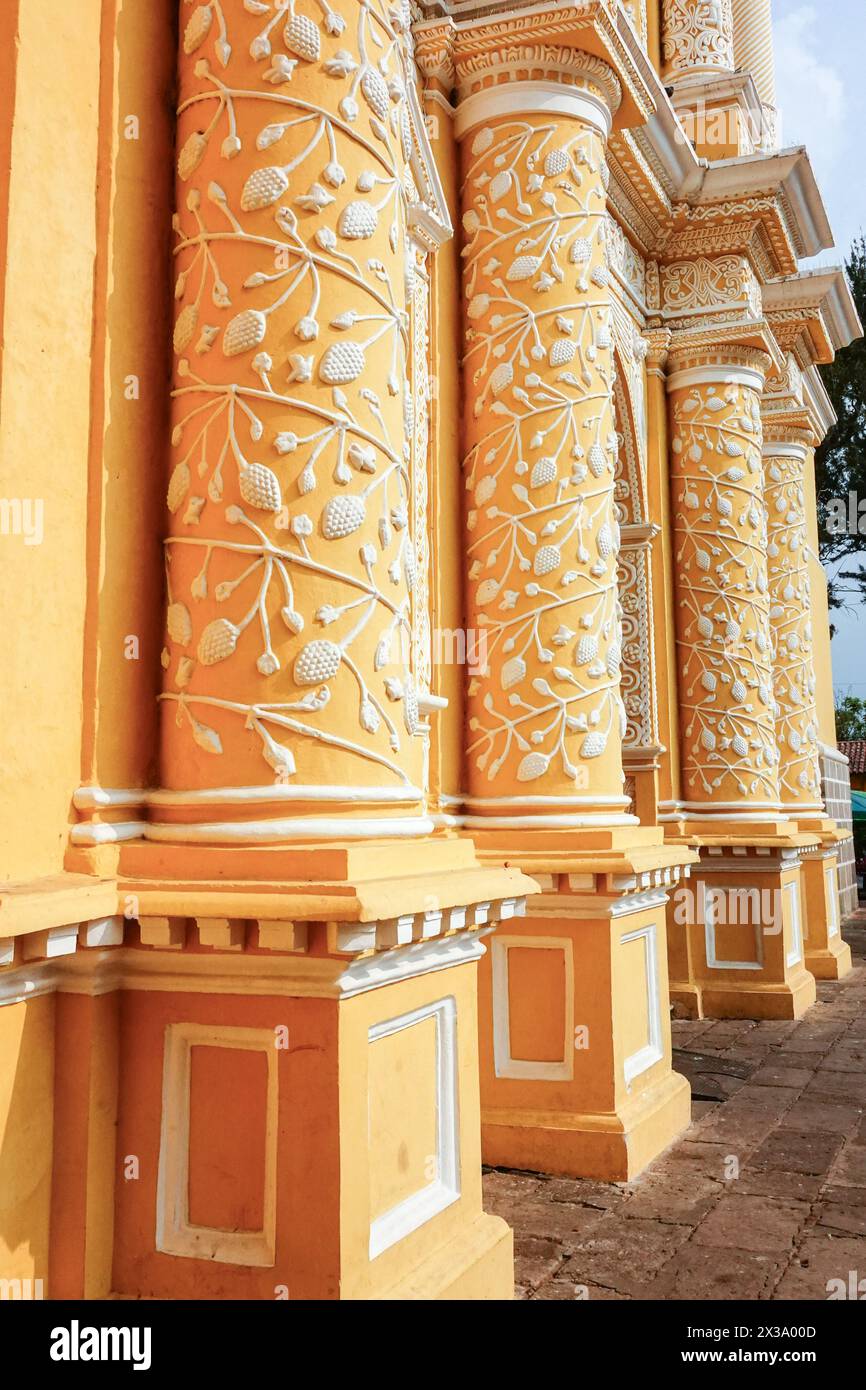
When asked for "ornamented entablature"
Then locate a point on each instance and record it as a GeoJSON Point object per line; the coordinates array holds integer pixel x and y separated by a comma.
{"type": "Point", "coordinates": [765, 208]}
{"type": "Point", "coordinates": [795, 407]}
{"type": "Point", "coordinates": [700, 291]}
{"type": "Point", "coordinates": [479, 10]}
{"type": "Point", "coordinates": [783, 389]}
{"type": "Point", "coordinates": [755, 227]}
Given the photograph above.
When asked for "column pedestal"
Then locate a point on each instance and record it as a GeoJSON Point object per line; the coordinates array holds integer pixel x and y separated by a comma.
{"type": "Point", "coordinates": [736, 932]}
{"type": "Point", "coordinates": [828, 957]}
{"type": "Point", "coordinates": [299, 1110]}
{"type": "Point", "coordinates": [575, 1050]}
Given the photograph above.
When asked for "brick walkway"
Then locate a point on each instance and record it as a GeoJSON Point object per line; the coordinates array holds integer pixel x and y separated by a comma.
{"type": "Point", "coordinates": [795, 1117]}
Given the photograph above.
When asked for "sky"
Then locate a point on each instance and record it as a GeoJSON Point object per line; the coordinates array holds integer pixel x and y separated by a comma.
{"type": "Point", "coordinates": [821, 92]}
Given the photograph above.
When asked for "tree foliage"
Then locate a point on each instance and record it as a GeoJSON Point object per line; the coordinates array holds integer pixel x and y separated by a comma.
{"type": "Point", "coordinates": [840, 462]}
{"type": "Point", "coordinates": [850, 718]}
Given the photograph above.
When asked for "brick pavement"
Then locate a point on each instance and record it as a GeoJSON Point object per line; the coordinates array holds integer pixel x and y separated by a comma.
{"type": "Point", "coordinates": [794, 1117]}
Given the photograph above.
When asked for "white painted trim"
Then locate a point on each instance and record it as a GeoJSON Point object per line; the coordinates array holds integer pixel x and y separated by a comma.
{"type": "Point", "coordinates": [408, 962]}
{"type": "Point", "coordinates": [547, 822]}
{"type": "Point", "coordinates": [769, 449]}
{"type": "Point", "coordinates": [421, 1206]}
{"type": "Point", "coordinates": [504, 1064]}
{"type": "Point", "coordinates": [174, 1233]}
{"type": "Point", "coordinates": [733, 807]}
{"type": "Point", "coordinates": [93, 798]}
{"type": "Point", "coordinates": [107, 832]}
{"type": "Point", "coordinates": [95, 971]}
{"type": "Point", "coordinates": [721, 374]}
{"type": "Point", "coordinates": [273, 831]}
{"type": "Point", "coordinates": [795, 955]}
{"type": "Point", "coordinates": [279, 792]}
{"type": "Point", "coordinates": [563, 803]}
{"type": "Point", "coordinates": [831, 887]}
{"type": "Point", "coordinates": [653, 1050]}
{"type": "Point", "coordinates": [521, 98]}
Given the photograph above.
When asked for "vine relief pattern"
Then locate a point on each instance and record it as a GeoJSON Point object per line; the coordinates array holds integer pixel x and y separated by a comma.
{"type": "Point", "coordinates": [634, 570]}
{"type": "Point", "coordinates": [697, 35]}
{"type": "Point", "coordinates": [297, 623]}
{"type": "Point", "coordinates": [539, 471]}
{"type": "Point", "coordinates": [723, 609]}
{"type": "Point", "coordinates": [790, 599]}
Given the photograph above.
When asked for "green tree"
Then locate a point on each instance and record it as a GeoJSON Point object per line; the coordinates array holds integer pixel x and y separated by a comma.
{"type": "Point", "coordinates": [840, 462]}
{"type": "Point", "coordinates": [850, 718]}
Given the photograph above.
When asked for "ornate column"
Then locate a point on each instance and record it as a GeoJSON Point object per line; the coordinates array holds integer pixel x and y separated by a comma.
{"type": "Point", "coordinates": [753, 52]}
{"type": "Point", "coordinates": [697, 37]}
{"type": "Point", "coordinates": [541, 452]}
{"type": "Point", "coordinates": [546, 718]}
{"type": "Point", "coordinates": [744, 951]}
{"type": "Point", "coordinates": [719, 108]}
{"type": "Point", "coordinates": [295, 656]}
{"type": "Point", "coordinates": [723, 637]}
{"type": "Point", "coordinates": [786, 457]}
{"type": "Point", "coordinates": [296, 677]}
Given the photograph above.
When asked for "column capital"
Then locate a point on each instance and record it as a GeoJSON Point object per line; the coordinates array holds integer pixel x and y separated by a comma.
{"type": "Point", "coordinates": [698, 358]}
{"type": "Point", "coordinates": [434, 52]}
{"type": "Point", "coordinates": [788, 433]}
{"type": "Point", "coordinates": [525, 78]}
{"type": "Point", "coordinates": [566, 45]}
{"type": "Point", "coordinates": [658, 341]}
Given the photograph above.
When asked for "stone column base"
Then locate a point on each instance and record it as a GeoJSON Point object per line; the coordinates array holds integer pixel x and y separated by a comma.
{"type": "Point", "coordinates": [736, 932]}
{"type": "Point", "coordinates": [476, 1266]}
{"type": "Point", "coordinates": [575, 1044]}
{"type": "Point", "coordinates": [270, 1087]}
{"type": "Point", "coordinates": [828, 957]}
{"type": "Point", "coordinates": [611, 1147]}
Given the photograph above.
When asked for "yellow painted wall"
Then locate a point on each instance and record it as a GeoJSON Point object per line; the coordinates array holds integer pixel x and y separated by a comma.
{"type": "Point", "coordinates": [26, 1135]}
{"type": "Point", "coordinates": [129, 420]}
{"type": "Point", "coordinates": [44, 420]}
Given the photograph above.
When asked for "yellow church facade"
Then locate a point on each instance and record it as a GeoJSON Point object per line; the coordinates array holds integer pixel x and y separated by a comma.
{"type": "Point", "coordinates": [418, 675]}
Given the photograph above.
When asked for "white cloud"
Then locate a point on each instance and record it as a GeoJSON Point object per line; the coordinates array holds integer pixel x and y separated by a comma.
{"type": "Point", "coordinates": [810, 91]}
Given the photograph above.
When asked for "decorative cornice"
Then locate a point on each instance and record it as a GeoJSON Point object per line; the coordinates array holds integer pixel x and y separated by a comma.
{"type": "Point", "coordinates": [816, 399]}
{"type": "Point", "coordinates": [813, 312]}
{"type": "Point", "coordinates": [785, 176]}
